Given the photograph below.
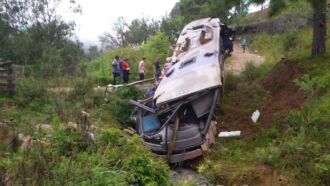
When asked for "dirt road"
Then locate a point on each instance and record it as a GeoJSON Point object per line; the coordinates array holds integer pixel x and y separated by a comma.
{"type": "Point", "coordinates": [236, 63]}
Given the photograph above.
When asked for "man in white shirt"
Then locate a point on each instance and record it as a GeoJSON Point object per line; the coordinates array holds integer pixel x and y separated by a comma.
{"type": "Point", "coordinates": [141, 68]}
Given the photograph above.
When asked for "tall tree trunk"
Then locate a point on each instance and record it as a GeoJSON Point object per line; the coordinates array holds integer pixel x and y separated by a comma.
{"type": "Point", "coordinates": [319, 27]}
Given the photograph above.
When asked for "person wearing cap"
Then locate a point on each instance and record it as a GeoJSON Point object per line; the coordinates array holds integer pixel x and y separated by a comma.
{"type": "Point", "coordinates": [141, 68]}
{"type": "Point", "coordinates": [125, 67]}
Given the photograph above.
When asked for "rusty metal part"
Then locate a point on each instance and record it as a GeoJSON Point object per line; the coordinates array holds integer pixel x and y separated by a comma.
{"type": "Point", "coordinates": [173, 138]}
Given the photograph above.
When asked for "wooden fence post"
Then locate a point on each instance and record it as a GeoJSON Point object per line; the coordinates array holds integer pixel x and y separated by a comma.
{"type": "Point", "coordinates": [10, 80]}
{"type": "Point", "coordinates": [7, 74]}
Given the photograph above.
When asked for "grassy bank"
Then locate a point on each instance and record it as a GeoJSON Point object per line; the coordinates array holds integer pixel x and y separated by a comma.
{"type": "Point", "coordinates": [293, 147]}
{"type": "Point", "coordinates": [46, 139]}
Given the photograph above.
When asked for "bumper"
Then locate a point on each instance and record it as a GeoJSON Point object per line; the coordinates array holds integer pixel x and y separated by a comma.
{"type": "Point", "coordinates": [183, 156]}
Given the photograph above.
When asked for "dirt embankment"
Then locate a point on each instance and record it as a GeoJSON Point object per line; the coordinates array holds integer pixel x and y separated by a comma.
{"type": "Point", "coordinates": [277, 93]}
{"type": "Point", "coordinates": [283, 95]}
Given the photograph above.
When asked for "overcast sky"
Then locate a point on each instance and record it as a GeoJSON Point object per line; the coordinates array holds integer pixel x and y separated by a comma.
{"type": "Point", "coordinates": [99, 16]}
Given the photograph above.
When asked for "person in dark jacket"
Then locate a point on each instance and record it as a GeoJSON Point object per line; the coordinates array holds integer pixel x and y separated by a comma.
{"type": "Point", "coordinates": [115, 69]}
{"type": "Point", "coordinates": [158, 69]}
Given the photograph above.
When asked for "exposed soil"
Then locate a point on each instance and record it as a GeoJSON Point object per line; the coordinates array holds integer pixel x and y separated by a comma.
{"type": "Point", "coordinates": [6, 105]}
{"type": "Point", "coordinates": [235, 120]}
{"type": "Point", "coordinates": [237, 113]}
{"type": "Point", "coordinates": [278, 94]}
{"type": "Point", "coordinates": [284, 95]}
{"type": "Point", "coordinates": [257, 175]}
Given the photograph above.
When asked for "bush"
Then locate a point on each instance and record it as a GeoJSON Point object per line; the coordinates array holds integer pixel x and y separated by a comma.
{"type": "Point", "coordinates": [111, 136]}
{"type": "Point", "coordinates": [156, 46]}
{"type": "Point", "coordinates": [142, 168]}
{"type": "Point", "coordinates": [82, 88]}
{"type": "Point", "coordinates": [251, 72]}
{"type": "Point", "coordinates": [121, 109]}
{"type": "Point", "coordinates": [290, 41]}
{"type": "Point", "coordinates": [129, 93]}
{"type": "Point", "coordinates": [30, 90]}
{"type": "Point", "coordinates": [231, 82]}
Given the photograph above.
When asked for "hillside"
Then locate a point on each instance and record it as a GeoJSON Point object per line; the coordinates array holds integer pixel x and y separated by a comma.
{"type": "Point", "coordinates": [297, 9]}
{"type": "Point", "coordinates": [66, 124]}
{"type": "Point", "coordinates": [289, 144]}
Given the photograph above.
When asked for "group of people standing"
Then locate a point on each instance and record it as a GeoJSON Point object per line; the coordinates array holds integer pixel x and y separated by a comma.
{"type": "Point", "coordinates": [121, 69]}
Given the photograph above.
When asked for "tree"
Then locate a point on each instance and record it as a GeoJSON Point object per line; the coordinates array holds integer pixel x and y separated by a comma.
{"type": "Point", "coordinates": [156, 46]}
{"type": "Point", "coordinates": [186, 11]}
{"type": "Point", "coordinates": [132, 34]}
{"type": "Point", "coordinates": [20, 14]}
{"type": "Point", "coordinates": [319, 22]}
{"type": "Point", "coordinates": [139, 30]}
{"type": "Point", "coordinates": [93, 52]}
{"type": "Point", "coordinates": [109, 42]}
{"type": "Point", "coordinates": [38, 34]}
{"type": "Point", "coordinates": [5, 33]}
{"type": "Point", "coordinates": [172, 27]}
{"type": "Point", "coordinates": [319, 27]}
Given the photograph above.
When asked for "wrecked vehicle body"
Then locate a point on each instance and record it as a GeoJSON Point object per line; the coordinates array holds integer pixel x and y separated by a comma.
{"type": "Point", "coordinates": [176, 122]}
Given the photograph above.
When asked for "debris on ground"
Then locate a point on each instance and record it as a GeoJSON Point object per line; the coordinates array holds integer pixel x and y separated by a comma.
{"type": "Point", "coordinates": [255, 116]}
{"type": "Point", "coordinates": [284, 95]}
{"type": "Point", "coordinates": [229, 134]}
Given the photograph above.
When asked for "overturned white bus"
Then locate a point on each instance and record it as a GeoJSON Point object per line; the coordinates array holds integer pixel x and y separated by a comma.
{"type": "Point", "coordinates": [176, 122]}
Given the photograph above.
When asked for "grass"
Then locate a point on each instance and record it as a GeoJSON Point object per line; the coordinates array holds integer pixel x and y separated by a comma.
{"type": "Point", "coordinates": [67, 156]}
{"type": "Point", "coordinates": [297, 9]}
{"type": "Point", "coordinates": [298, 145]}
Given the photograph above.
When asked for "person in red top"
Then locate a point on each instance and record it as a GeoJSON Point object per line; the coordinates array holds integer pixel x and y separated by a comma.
{"type": "Point", "coordinates": [125, 67]}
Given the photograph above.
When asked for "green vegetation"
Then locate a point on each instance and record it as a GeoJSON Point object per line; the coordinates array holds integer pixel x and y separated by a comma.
{"type": "Point", "coordinates": [297, 145]}
{"type": "Point", "coordinates": [65, 153]}
{"type": "Point", "coordinates": [319, 8]}
{"type": "Point", "coordinates": [186, 11]}
{"type": "Point", "coordinates": [296, 9]}
{"type": "Point", "coordinates": [57, 130]}
{"type": "Point", "coordinates": [100, 69]}
{"type": "Point", "coordinates": [34, 35]}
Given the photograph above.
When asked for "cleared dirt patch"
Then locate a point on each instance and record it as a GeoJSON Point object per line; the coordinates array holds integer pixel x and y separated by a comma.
{"type": "Point", "coordinates": [239, 60]}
